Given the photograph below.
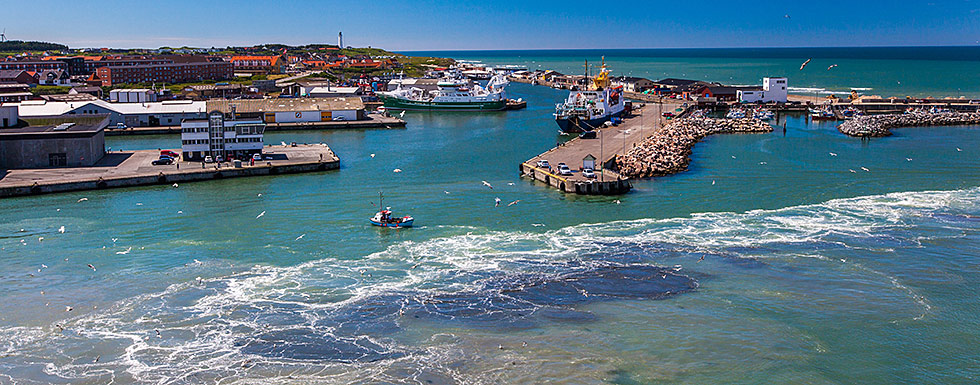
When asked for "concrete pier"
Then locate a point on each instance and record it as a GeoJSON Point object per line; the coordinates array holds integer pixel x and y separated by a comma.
{"type": "Point", "coordinates": [128, 169]}
{"type": "Point", "coordinates": [610, 142]}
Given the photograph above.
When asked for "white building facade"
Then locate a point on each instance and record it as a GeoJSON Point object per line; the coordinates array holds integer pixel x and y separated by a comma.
{"type": "Point", "coordinates": [132, 96]}
{"type": "Point", "coordinates": [215, 136]}
{"type": "Point", "coordinates": [774, 90]}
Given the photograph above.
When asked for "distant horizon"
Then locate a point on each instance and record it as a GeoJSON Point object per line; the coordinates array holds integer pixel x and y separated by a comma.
{"type": "Point", "coordinates": [433, 25]}
{"type": "Point", "coordinates": [70, 47]}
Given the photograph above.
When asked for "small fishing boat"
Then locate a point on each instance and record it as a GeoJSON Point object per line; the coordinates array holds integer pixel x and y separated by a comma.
{"type": "Point", "coordinates": [735, 113]}
{"type": "Point", "coordinates": [763, 114]}
{"type": "Point", "coordinates": [384, 217]}
{"type": "Point", "coordinates": [822, 114]}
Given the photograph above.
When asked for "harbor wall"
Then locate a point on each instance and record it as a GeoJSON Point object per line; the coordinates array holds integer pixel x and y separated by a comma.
{"type": "Point", "coordinates": [668, 151]}
{"type": "Point", "coordinates": [881, 125]}
{"type": "Point", "coordinates": [168, 178]}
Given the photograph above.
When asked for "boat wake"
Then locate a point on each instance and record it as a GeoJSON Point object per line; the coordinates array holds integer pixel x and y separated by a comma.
{"type": "Point", "coordinates": [395, 316]}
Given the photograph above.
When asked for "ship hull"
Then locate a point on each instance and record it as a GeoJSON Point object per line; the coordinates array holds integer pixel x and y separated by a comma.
{"type": "Point", "coordinates": [574, 125]}
{"type": "Point", "coordinates": [415, 105]}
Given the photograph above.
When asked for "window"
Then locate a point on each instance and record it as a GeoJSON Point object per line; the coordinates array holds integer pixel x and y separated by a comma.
{"type": "Point", "coordinates": [58, 159]}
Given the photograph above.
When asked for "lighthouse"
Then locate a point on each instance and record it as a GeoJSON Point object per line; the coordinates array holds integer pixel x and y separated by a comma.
{"type": "Point", "coordinates": [340, 40]}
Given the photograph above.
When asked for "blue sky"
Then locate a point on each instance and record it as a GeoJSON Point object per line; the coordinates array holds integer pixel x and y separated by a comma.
{"type": "Point", "coordinates": [489, 24]}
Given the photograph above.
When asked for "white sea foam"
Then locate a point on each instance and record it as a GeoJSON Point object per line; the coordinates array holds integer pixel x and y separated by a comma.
{"type": "Point", "coordinates": [824, 91]}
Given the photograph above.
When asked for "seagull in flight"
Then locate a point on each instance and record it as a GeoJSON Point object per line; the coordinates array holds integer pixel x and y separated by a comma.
{"type": "Point", "coordinates": [833, 154]}
{"type": "Point", "coordinates": [91, 267]}
{"type": "Point", "coordinates": [804, 64]}
{"type": "Point", "coordinates": [496, 202]}
{"type": "Point", "coordinates": [125, 252]}
{"type": "Point", "coordinates": [831, 66]}
{"type": "Point", "coordinates": [485, 183]}
{"type": "Point", "coordinates": [260, 215]}
{"type": "Point", "coordinates": [513, 203]}
{"type": "Point", "coordinates": [300, 237]}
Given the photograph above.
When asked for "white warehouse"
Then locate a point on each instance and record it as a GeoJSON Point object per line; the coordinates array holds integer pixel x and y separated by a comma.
{"type": "Point", "coordinates": [773, 90]}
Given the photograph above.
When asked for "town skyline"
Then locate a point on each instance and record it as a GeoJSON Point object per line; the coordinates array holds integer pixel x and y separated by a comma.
{"type": "Point", "coordinates": [432, 25]}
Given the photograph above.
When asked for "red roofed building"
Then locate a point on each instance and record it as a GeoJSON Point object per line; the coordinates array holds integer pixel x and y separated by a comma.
{"type": "Point", "coordinates": [259, 64]}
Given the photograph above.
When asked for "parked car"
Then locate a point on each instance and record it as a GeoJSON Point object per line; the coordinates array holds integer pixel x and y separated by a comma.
{"type": "Point", "coordinates": [563, 169]}
{"type": "Point", "coordinates": [163, 161]}
{"type": "Point", "coordinates": [219, 159]}
{"type": "Point", "coordinates": [668, 114]}
{"type": "Point", "coordinates": [170, 153]}
{"type": "Point", "coordinates": [256, 156]}
{"type": "Point", "coordinates": [208, 159]}
{"type": "Point", "coordinates": [588, 173]}
{"type": "Point", "coordinates": [120, 126]}
{"type": "Point", "coordinates": [544, 164]}
{"type": "Point", "coordinates": [166, 157]}
{"type": "Point", "coordinates": [588, 135]}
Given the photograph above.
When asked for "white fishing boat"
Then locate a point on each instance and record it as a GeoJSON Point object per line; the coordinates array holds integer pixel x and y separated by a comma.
{"type": "Point", "coordinates": [763, 114]}
{"type": "Point", "coordinates": [455, 94]}
{"type": "Point", "coordinates": [735, 113]}
{"type": "Point", "coordinates": [385, 218]}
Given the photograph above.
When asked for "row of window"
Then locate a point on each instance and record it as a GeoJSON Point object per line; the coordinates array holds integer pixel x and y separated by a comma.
{"type": "Point", "coordinates": [245, 130]}
{"type": "Point", "coordinates": [220, 141]}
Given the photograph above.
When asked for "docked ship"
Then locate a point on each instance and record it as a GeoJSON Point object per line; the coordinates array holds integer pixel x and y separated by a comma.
{"type": "Point", "coordinates": [586, 110]}
{"type": "Point", "coordinates": [456, 94]}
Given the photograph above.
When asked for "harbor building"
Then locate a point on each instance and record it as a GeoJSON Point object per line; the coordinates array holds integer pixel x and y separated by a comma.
{"type": "Point", "coordinates": [54, 142]}
{"type": "Point", "coordinates": [291, 110]}
{"type": "Point", "coordinates": [217, 136]}
{"type": "Point", "coordinates": [8, 116]}
{"type": "Point", "coordinates": [773, 90]}
{"type": "Point", "coordinates": [632, 84]}
{"type": "Point", "coordinates": [14, 92]}
{"type": "Point", "coordinates": [150, 114]}
{"type": "Point", "coordinates": [126, 95]}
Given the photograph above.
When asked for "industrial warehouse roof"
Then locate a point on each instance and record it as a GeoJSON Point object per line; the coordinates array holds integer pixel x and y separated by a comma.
{"type": "Point", "coordinates": [58, 126]}
{"type": "Point", "coordinates": [44, 108]}
{"type": "Point", "coordinates": [246, 106]}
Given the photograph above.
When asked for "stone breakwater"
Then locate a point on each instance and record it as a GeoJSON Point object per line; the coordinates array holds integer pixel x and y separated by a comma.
{"type": "Point", "coordinates": [668, 151]}
{"type": "Point", "coordinates": [881, 125]}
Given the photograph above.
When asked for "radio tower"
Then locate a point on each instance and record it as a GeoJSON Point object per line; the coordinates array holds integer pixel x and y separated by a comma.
{"type": "Point", "coordinates": [340, 40]}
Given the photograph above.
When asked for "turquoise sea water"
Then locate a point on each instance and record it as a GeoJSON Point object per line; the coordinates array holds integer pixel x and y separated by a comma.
{"type": "Point", "coordinates": [811, 273]}
{"type": "Point", "coordinates": [886, 71]}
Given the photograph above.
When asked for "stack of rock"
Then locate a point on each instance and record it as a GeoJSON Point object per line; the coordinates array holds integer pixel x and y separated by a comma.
{"type": "Point", "coordinates": [881, 125]}
{"type": "Point", "coordinates": [668, 151]}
